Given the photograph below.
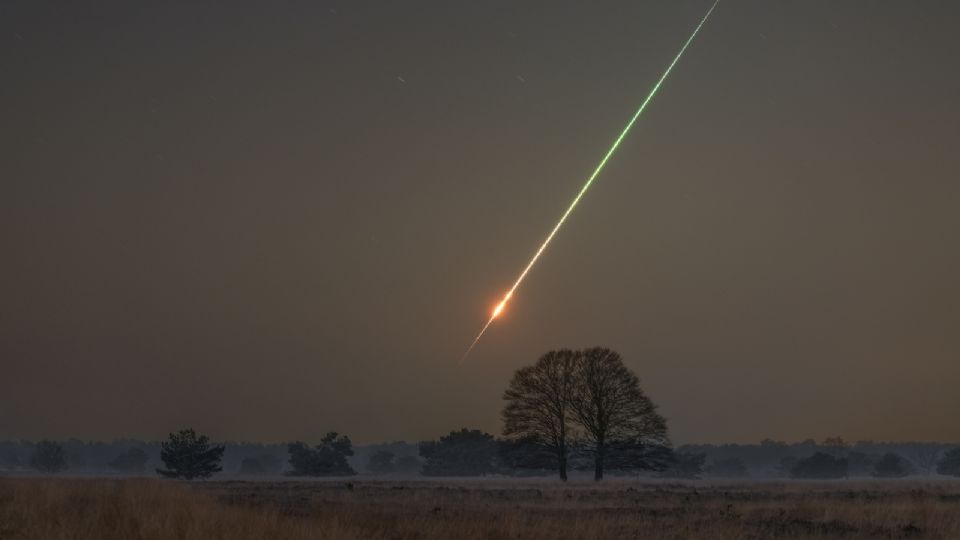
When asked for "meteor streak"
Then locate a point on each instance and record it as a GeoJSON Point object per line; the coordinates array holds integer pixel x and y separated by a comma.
{"type": "Point", "coordinates": [596, 172]}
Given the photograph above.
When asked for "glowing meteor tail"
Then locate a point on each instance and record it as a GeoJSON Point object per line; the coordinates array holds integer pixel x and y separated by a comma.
{"type": "Point", "coordinates": [499, 309]}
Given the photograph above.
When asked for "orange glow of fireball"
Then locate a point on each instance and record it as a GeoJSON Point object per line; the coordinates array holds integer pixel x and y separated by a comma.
{"type": "Point", "coordinates": [503, 303]}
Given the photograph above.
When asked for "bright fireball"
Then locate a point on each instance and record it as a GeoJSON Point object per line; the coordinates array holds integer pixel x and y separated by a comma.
{"type": "Point", "coordinates": [503, 303]}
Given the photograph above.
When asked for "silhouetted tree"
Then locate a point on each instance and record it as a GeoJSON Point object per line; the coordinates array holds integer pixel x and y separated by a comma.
{"type": "Point", "coordinates": [538, 412]}
{"type": "Point", "coordinates": [381, 462]}
{"type": "Point", "coordinates": [461, 453]}
{"type": "Point", "coordinates": [728, 468]}
{"type": "Point", "coordinates": [48, 457]}
{"type": "Point", "coordinates": [685, 465]}
{"type": "Point", "coordinates": [950, 463]}
{"type": "Point", "coordinates": [611, 407]}
{"type": "Point", "coordinates": [891, 466]}
{"type": "Point", "coordinates": [329, 458]}
{"type": "Point", "coordinates": [133, 461]}
{"type": "Point", "coordinates": [189, 456]}
{"type": "Point", "coordinates": [820, 465]}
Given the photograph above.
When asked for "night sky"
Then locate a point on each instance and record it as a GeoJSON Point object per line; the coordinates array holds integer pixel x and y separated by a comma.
{"type": "Point", "coordinates": [267, 220]}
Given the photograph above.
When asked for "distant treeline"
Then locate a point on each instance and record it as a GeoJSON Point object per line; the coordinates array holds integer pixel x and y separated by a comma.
{"type": "Point", "coordinates": [772, 458]}
{"type": "Point", "coordinates": [475, 453]}
{"type": "Point", "coordinates": [571, 410]}
{"type": "Point", "coordinates": [121, 457]}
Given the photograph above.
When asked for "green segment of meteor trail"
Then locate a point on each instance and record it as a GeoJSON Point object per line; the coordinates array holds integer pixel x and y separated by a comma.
{"type": "Point", "coordinates": [589, 182]}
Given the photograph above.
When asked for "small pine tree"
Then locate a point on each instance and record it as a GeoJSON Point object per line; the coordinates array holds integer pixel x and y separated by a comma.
{"type": "Point", "coordinates": [189, 456]}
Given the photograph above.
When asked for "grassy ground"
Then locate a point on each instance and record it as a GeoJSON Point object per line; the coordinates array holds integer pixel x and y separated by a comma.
{"type": "Point", "coordinates": [467, 510]}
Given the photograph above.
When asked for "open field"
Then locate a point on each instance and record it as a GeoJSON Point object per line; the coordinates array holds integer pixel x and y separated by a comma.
{"type": "Point", "coordinates": [471, 509]}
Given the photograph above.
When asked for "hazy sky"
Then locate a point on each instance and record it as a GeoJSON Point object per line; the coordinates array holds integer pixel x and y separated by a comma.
{"type": "Point", "coordinates": [267, 220]}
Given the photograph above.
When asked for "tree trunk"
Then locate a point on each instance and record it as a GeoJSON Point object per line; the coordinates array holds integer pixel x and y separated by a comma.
{"type": "Point", "coordinates": [562, 451]}
{"type": "Point", "coordinates": [598, 461]}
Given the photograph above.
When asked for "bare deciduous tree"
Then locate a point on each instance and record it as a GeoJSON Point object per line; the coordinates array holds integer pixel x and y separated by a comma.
{"type": "Point", "coordinates": [538, 404]}
{"type": "Point", "coordinates": [610, 405]}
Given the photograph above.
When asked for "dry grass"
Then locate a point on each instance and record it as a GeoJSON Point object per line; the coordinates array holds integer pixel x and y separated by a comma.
{"type": "Point", "coordinates": [468, 510]}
